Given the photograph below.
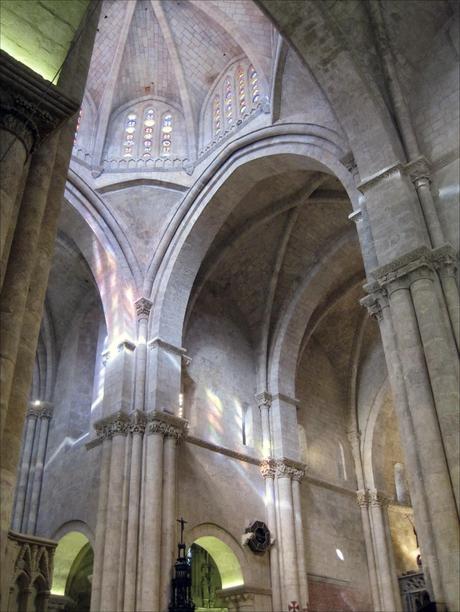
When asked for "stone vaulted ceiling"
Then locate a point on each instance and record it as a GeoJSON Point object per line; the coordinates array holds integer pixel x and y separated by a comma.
{"type": "Point", "coordinates": [173, 49]}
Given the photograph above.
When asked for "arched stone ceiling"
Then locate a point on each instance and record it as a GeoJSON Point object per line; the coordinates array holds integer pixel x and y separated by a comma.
{"type": "Point", "coordinates": [173, 49]}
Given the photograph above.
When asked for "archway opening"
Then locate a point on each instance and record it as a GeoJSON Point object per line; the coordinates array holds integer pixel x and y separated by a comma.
{"type": "Point", "coordinates": [73, 568]}
{"type": "Point", "coordinates": [215, 568]}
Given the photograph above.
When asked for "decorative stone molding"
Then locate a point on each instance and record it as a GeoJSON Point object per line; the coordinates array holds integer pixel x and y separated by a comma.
{"type": "Point", "coordinates": [286, 468]}
{"type": "Point", "coordinates": [33, 561]}
{"type": "Point", "coordinates": [143, 307]}
{"type": "Point", "coordinates": [30, 107]}
{"type": "Point", "coordinates": [40, 410]}
{"type": "Point", "coordinates": [268, 468]}
{"type": "Point", "coordinates": [356, 216]}
{"type": "Point", "coordinates": [166, 424]}
{"type": "Point", "coordinates": [418, 169]}
{"type": "Point", "coordinates": [376, 301]}
{"type": "Point", "coordinates": [386, 173]}
{"type": "Point", "coordinates": [166, 346]}
{"type": "Point", "coordinates": [264, 399]}
{"type": "Point", "coordinates": [137, 422]}
{"type": "Point", "coordinates": [445, 260]}
{"type": "Point", "coordinates": [377, 498]}
{"type": "Point", "coordinates": [285, 398]}
{"type": "Point", "coordinates": [126, 345]}
{"type": "Point", "coordinates": [362, 498]}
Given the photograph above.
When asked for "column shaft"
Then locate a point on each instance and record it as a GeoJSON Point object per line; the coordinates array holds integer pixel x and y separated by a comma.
{"type": "Point", "coordinates": [299, 538]}
{"type": "Point", "coordinates": [98, 566]}
{"type": "Point", "coordinates": [38, 475]}
{"type": "Point", "coordinates": [290, 577]}
{"type": "Point", "coordinates": [29, 435]}
{"type": "Point", "coordinates": [428, 439]}
{"type": "Point", "coordinates": [382, 554]}
{"type": "Point", "coordinates": [274, 549]}
{"type": "Point", "coordinates": [123, 519]}
{"type": "Point", "coordinates": [152, 523]}
{"type": "Point", "coordinates": [109, 592]}
{"type": "Point", "coordinates": [132, 542]}
{"type": "Point", "coordinates": [367, 531]}
{"type": "Point", "coordinates": [168, 520]}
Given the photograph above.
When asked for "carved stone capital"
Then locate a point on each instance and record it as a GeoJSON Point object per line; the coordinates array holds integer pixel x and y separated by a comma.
{"type": "Point", "coordinates": [286, 468]}
{"type": "Point", "coordinates": [405, 269]}
{"type": "Point", "coordinates": [354, 437]}
{"type": "Point", "coordinates": [30, 107]}
{"type": "Point", "coordinates": [375, 301]}
{"type": "Point", "coordinates": [143, 307]}
{"type": "Point", "coordinates": [137, 422]}
{"type": "Point", "coordinates": [40, 409]}
{"type": "Point", "coordinates": [126, 345]}
{"type": "Point", "coordinates": [114, 425]}
{"type": "Point", "coordinates": [268, 468]}
{"type": "Point", "coordinates": [166, 424]}
{"type": "Point", "coordinates": [264, 399]}
{"type": "Point", "coordinates": [445, 260]}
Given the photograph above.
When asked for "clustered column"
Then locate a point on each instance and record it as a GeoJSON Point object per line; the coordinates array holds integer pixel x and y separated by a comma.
{"type": "Point", "coordinates": [30, 476]}
{"type": "Point", "coordinates": [136, 515]}
{"type": "Point", "coordinates": [423, 370]}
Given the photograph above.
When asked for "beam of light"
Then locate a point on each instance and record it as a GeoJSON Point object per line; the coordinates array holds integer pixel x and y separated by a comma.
{"type": "Point", "coordinates": [68, 442]}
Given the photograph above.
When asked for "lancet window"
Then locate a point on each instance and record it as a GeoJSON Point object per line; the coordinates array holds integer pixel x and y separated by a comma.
{"type": "Point", "coordinates": [241, 80]}
{"type": "Point", "coordinates": [216, 115]}
{"type": "Point", "coordinates": [228, 100]}
{"type": "Point", "coordinates": [166, 134]}
{"type": "Point", "coordinates": [130, 129]}
{"type": "Point", "coordinates": [149, 123]}
{"type": "Point", "coordinates": [254, 84]}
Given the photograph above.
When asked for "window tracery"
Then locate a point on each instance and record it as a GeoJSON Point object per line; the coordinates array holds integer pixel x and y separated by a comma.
{"type": "Point", "coordinates": [166, 134]}
{"type": "Point", "coordinates": [130, 129]}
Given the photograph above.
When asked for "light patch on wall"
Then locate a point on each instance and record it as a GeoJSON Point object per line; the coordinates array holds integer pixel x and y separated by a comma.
{"type": "Point", "coordinates": [339, 554]}
{"type": "Point", "coordinates": [225, 559]}
{"type": "Point", "coordinates": [38, 33]}
{"type": "Point", "coordinates": [66, 552]}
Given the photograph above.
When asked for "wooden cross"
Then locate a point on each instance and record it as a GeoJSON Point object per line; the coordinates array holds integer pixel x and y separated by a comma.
{"type": "Point", "coordinates": [182, 523]}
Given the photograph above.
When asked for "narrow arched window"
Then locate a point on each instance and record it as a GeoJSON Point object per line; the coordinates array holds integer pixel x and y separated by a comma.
{"type": "Point", "coordinates": [149, 123]}
{"type": "Point", "coordinates": [77, 127]}
{"type": "Point", "coordinates": [228, 101]}
{"type": "Point", "coordinates": [254, 84]}
{"type": "Point", "coordinates": [166, 134]}
{"type": "Point", "coordinates": [216, 115]}
{"type": "Point", "coordinates": [130, 129]}
{"type": "Point", "coordinates": [241, 80]}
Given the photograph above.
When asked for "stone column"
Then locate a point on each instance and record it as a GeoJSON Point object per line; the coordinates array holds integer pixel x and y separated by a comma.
{"type": "Point", "coordinates": [268, 471]}
{"type": "Point", "coordinates": [176, 428]}
{"type": "Point", "coordinates": [151, 516]}
{"type": "Point", "coordinates": [116, 430]}
{"type": "Point", "coordinates": [264, 402]}
{"type": "Point", "coordinates": [363, 503]}
{"type": "Point", "coordinates": [299, 537]}
{"type": "Point", "coordinates": [383, 551]}
{"type": "Point", "coordinates": [45, 416]}
{"type": "Point", "coordinates": [143, 306]}
{"type": "Point", "coordinates": [29, 434]}
{"type": "Point", "coordinates": [288, 544]}
{"type": "Point", "coordinates": [429, 479]}
{"type": "Point", "coordinates": [137, 429]}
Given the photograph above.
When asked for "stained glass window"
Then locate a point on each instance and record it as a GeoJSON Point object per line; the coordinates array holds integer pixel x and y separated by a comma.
{"type": "Point", "coordinates": [241, 80]}
{"type": "Point", "coordinates": [166, 133]}
{"type": "Point", "coordinates": [77, 127]}
{"type": "Point", "coordinates": [228, 100]}
{"type": "Point", "coordinates": [149, 123]}
{"type": "Point", "coordinates": [217, 119]}
{"type": "Point", "coordinates": [254, 84]}
{"type": "Point", "coordinates": [130, 128]}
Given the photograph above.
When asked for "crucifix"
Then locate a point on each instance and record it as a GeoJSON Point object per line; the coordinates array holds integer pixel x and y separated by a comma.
{"type": "Point", "coordinates": [182, 523]}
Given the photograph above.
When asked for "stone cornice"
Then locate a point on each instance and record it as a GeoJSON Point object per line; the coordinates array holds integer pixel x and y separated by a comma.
{"type": "Point", "coordinates": [166, 346]}
{"type": "Point", "coordinates": [138, 422]}
{"type": "Point", "coordinates": [377, 498]}
{"type": "Point", "coordinates": [285, 398]}
{"type": "Point", "coordinates": [268, 468]}
{"type": "Point", "coordinates": [30, 107]}
{"type": "Point", "coordinates": [416, 170]}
